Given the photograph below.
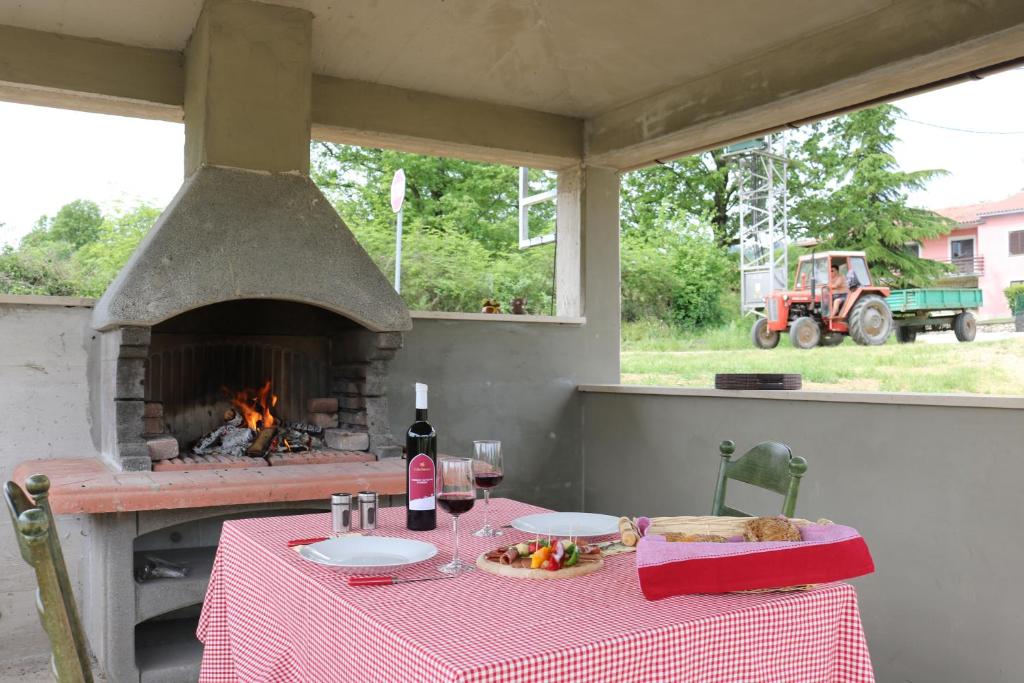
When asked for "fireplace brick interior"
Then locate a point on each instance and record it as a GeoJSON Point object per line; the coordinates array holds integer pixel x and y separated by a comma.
{"type": "Point", "coordinates": [173, 382]}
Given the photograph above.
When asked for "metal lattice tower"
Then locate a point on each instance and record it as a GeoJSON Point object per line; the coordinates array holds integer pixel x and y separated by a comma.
{"type": "Point", "coordinates": [763, 214]}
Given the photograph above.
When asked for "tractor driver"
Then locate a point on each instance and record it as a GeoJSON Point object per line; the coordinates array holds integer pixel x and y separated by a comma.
{"type": "Point", "coordinates": [839, 288]}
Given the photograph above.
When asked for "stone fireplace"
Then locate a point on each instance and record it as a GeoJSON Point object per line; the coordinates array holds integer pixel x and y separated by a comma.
{"type": "Point", "coordinates": [248, 282]}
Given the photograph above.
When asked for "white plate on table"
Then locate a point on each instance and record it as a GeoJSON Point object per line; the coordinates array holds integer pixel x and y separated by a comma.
{"type": "Point", "coordinates": [368, 554]}
{"type": "Point", "coordinates": [583, 524]}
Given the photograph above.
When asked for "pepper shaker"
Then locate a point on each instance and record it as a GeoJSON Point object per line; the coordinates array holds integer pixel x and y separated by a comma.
{"type": "Point", "coordinates": [367, 510]}
{"type": "Point", "coordinates": [341, 513]}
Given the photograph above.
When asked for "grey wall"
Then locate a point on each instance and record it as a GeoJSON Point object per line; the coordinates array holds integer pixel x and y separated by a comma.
{"type": "Point", "coordinates": [935, 491]}
{"type": "Point", "coordinates": [515, 382]}
{"type": "Point", "coordinates": [44, 413]}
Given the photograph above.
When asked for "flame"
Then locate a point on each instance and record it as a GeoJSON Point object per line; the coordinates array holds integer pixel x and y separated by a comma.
{"type": "Point", "coordinates": [254, 406]}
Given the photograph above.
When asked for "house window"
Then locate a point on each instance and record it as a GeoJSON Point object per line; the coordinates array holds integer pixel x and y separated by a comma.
{"type": "Point", "coordinates": [1017, 243]}
{"type": "Point", "coordinates": [961, 255]}
{"type": "Point", "coordinates": [961, 249]}
{"type": "Point", "coordinates": [912, 249]}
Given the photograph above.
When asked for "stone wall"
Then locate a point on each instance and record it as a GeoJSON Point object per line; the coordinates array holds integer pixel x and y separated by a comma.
{"type": "Point", "coordinates": [934, 489]}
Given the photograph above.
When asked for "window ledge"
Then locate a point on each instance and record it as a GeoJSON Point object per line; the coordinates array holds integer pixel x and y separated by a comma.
{"type": "Point", "coordinates": [896, 399]}
{"type": "Point", "coordinates": [497, 317]}
{"type": "Point", "coordinates": [38, 300]}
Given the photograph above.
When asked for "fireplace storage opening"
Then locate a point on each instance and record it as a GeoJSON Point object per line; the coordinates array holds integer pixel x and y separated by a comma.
{"type": "Point", "coordinates": [248, 383]}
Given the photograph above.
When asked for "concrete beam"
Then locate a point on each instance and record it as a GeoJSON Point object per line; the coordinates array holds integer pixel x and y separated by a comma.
{"type": "Point", "coordinates": [370, 114]}
{"type": "Point", "coordinates": [907, 45]}
{"type": "Point", "coordinates": [54, 70]}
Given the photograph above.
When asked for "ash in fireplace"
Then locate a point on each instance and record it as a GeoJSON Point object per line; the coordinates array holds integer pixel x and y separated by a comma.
{"type": "Point", "coordinates": [231, 438]}
{"type": "Point", "coordinates": [235, 438]}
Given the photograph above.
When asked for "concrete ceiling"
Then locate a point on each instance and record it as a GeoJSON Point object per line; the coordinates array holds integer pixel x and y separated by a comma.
{"type": "Point", "coordinates": [573, 57]}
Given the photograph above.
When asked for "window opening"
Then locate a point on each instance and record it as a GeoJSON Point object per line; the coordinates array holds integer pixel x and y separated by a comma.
{"type": "Point", "coordinates": [537, 190]}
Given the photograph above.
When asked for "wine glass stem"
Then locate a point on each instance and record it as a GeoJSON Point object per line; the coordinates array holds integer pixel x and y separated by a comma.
{"type": "Point", "coordinates": [487, 508]}
{"type": "Point", "coordinates": [455, 539]}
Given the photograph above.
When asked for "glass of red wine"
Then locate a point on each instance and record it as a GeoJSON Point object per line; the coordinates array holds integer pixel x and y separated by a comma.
{"type": "Point", "coordinates": [456, 495]}
{"type": "Point", "coordinates": [488, 473]}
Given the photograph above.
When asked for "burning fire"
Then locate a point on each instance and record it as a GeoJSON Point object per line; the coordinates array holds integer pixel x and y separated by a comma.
{"type": "Point", "coordinates": [254, 406]}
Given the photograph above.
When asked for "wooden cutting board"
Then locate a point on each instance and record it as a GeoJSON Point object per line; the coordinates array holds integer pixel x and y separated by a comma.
{"type": "Point", "coordinates": [508, 571]}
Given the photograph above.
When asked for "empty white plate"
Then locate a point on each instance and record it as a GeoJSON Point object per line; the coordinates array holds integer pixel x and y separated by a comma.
{"type": "Point", "coordinates": [368, 554]}
{"type": "Point", "coordinates": [567, 524]}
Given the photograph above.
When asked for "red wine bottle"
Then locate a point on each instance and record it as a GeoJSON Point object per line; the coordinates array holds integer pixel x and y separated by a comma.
{"type": "Point", "coordinates": [421, 468]}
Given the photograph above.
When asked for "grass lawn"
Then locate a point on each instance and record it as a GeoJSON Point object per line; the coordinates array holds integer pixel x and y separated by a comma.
{"type": "Point", "coordinates": [659, 357]}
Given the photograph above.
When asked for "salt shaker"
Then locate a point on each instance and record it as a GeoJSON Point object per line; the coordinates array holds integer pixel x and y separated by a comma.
{"type": "Point", "coordinates": [367, 510]}
{"type": "Point", "coordinates": [341, 513]}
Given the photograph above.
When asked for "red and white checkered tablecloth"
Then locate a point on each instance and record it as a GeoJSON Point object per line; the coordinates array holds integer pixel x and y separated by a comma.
{"type": "Point", "coordinates": [271, 616]}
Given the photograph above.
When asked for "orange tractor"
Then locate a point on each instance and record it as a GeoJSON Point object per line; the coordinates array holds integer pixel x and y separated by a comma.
{"type": "Point", "coordinates": [832, 297]}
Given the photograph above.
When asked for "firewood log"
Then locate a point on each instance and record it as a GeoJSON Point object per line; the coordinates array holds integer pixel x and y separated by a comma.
{"type": "Point", "coordinates": [261, 444]}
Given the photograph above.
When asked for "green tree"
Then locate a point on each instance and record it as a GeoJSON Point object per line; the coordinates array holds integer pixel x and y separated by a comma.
{"type": "Point", "coordinates": [36, 271]}
{"type": "Point", "coordinates": [98, 262]}
{"type": "Point", "coordinates": [677, 274]}
{"type": "Point", "coordinates": [460, 221]}
{"type": "Point", "coordinates": [76, 223]}
{"type": "Point", "coordinates": [857, 197]}
{"type": "Point", "coordinates": [701, 188]}
{"type": "Point", "coordinates": [446, 195]}
{"type": "Point", "coordinates": [48, 262]}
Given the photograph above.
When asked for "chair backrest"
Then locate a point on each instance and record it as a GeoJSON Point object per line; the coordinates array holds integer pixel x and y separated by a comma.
{"type": "Point", "coordinates": [40, 547]}
{"type": "Point", "coordinates": [767, 465]}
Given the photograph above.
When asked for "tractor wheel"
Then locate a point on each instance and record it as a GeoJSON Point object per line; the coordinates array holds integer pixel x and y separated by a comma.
{"type": "Point", "coordinates": [832, 338]}
{"type": "Point", "coordinates": [870, 321]}
{"type": "Point", "coordinates": [805, 333]}
{"type": "Point", "coordinates": [965, 326]}
{"type": "Point", "coordinates": [906, 335]}
{"type": "Point", "coordinates": [762, 336]}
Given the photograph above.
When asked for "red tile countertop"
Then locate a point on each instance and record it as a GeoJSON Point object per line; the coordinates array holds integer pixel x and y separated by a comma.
{"type": "Point", "coordinates": [87, 486]}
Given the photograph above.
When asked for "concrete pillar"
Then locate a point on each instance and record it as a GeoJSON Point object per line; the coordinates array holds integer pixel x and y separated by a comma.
{"type": "Point", "coordinates": [569, 255]}
{"type": "Point", "coordinates": [600, 272]}
{"type": "Point", "coordinates": [248, 84]}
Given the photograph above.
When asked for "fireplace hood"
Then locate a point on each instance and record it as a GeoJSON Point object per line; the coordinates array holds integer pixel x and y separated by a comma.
{"type": "Point", "coordinates": [238, 234]}
{"type": "Point", "coordinates": [248, 223]}
{"type": "Point", "coordinates": [249, 277]}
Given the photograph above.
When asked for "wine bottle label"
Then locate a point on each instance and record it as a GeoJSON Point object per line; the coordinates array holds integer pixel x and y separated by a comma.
{"type": "Point", "coordinates": [421, 483]}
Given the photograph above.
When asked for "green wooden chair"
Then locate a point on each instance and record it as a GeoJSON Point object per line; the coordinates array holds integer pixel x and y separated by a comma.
{"type": "Point", "coordinates": [767, 465]}
{"type": "Point", "coordinates": [40, 547]}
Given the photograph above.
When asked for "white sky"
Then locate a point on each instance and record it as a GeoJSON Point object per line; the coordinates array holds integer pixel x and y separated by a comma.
{"type": "Point", "coordinates": [982, 167]}
{"type": "Point", "coordinates": [49, 157]}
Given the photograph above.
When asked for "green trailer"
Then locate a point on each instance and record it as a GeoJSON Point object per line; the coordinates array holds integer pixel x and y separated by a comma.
{"type": "Point", "coordinates": [933, 310]}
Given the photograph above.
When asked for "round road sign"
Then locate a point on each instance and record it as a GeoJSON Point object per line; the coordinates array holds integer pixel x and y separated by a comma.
{"type": "Point", "coordinates": [398, 190]}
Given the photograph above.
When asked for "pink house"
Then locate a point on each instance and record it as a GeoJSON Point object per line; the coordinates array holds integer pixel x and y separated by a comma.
{"type": "Point", "coordinates": [986, 246]}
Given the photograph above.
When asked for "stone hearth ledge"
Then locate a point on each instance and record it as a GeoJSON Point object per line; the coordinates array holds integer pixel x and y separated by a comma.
{"type": "Point", "coordinates": [87, 486]}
